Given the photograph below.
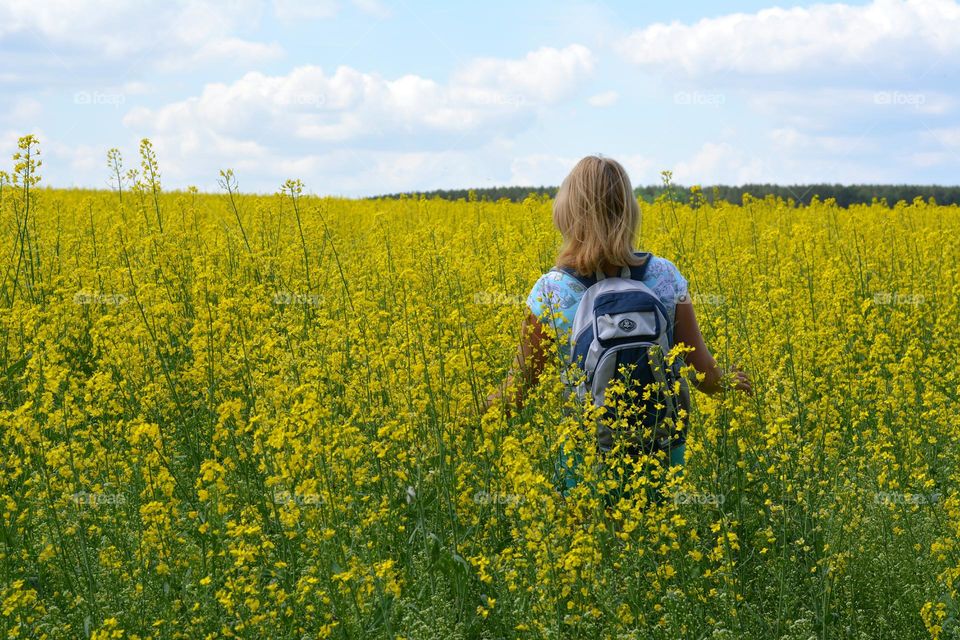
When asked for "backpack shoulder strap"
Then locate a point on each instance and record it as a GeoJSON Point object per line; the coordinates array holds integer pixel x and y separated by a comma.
{"type": "Point", "coordinates": [586, 281]}
{"type": "Point", "coordinates": [639, 272]}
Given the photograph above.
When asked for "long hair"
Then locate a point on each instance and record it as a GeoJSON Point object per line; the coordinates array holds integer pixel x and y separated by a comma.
{"type": "Point", "coordinates": [597, 215]}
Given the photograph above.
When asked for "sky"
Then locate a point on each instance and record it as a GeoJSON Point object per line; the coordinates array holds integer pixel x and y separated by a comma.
{"type": "Point", "coordinates": [365, 97]}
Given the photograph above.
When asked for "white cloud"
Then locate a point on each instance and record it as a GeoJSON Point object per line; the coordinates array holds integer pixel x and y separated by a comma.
{"type": "Point", "coordinates": [793, 140]}
{"type": "Point", "coordinates": [297, 10]}
{"type": "Point", "coordinates": [309, 105]}
{"type": "Point", "coordinates": [410, 131]}
{"type": "Point", "coordinates": [374, 8]}
{"type": "Point", "coordinates": [947, 137]}
{"type": "Point", "coordinates": [605, 99]}
{"type": "Point", "coordinates": [8, 146]}
{"type": "Point", "coordinates": [24, 111]}
{"type": "Point", "coordinates": [67, 34]}
{"type": "Point", "coordinates": [82, 164]}
{"type": "Point", "coordinates": [791, 157]}
{"type": "Point", "coordinates": [229, 50]}
{"type": "Point", "coordinates": [850, 102]}
{"type": "Point", "coordinates": [823, 92]}
{"type": "Point", "coordinates": [718, 163]}
{"type": "Point", "coordinates": [828, 89]}
{"type": "Point", "coordinates": [134, 88]}
{"type": "Point", "coordinates": [895, 37]}
{"type": "Point", "coordinates": [343, 172]}
{"type": "Point", "coordinates": [548, 169]}
{"type": "Point", "coordinates": [82, 160]}
{"type": "Point", "coordinates": [641, 169]}
{"type": "Point", "coordinates": [540, 169]}
{"type": "Point", "coordinates": [544, 75]}
{"type": "Point", "coordinates": [834, 113]}
{"type": "Point", "coordinates": [925, 159]}
{"type": "Point", "coordinates": [291, 11]}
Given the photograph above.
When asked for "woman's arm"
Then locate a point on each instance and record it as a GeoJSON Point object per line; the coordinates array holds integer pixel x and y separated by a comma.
{"type": "Point", "coordinates": [527, 365]}
{"type": "Point", "coordinates": [687, 330]}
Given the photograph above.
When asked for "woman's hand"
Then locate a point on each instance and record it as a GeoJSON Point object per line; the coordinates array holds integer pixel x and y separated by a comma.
{"type": "Point", "coordinates": [527, 366]}
{"type": "Point", "coordinates": [493, 398]}
{"type": "Point", "coordinates": [738, 379]}
{"type": "Point", "coordinates": [710, 379]}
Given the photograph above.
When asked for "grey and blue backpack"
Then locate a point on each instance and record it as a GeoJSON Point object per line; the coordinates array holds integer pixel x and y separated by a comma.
{"type": "Point", "coordinates": [622, 330]}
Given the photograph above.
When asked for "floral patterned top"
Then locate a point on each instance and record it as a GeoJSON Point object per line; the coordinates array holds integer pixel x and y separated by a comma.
{"type": "Point", "coordinates": [558, 292]}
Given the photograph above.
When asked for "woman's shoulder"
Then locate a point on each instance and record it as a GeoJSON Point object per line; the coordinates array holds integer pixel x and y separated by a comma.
{"type": "Point", "coordinates": [558, 279]}
{"type": "Point", "coordinates": [662, 266]}
{"type": "Point", "coordinates": [666, 277]}
{"type": "Point", "coordinates": [558, 288]}
{"type": "Point", "coordinates": [564, 278]}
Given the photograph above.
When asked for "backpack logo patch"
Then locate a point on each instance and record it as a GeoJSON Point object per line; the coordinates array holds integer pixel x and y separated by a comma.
{"type": "Point", "coordinates": [627, 325]}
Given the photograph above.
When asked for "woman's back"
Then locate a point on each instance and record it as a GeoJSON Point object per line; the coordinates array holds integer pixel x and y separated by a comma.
{"type": "Point", "coordinates": [598, 216]}
{"type": "Point", "coordinates": [559, 293]}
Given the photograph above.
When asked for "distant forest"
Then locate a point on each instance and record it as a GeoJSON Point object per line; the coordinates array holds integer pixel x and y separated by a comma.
{"type": "Point", "coordinates": [844, 195]}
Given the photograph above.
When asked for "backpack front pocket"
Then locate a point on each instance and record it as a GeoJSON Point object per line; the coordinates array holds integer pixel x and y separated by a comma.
{"type": "Point", "coordinates": [627, 317]}
{"type": "Point", "coordinates": [648, 414]}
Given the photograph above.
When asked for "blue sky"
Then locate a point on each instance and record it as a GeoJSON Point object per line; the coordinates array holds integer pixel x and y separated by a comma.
{"type": "Point", "coordinates": [373, 96]}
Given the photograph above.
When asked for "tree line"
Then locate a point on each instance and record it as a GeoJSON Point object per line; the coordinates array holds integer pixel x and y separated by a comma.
{"type": "Point", "coordinates": [843, 194]}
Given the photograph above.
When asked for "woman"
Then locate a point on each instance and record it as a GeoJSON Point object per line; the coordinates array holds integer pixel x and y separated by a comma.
{"type": "Point", "coordinates": [598, 215]}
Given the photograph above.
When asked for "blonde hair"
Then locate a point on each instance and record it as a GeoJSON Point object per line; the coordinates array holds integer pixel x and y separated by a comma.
{"type": "Point", "coordinates": [597, 214]}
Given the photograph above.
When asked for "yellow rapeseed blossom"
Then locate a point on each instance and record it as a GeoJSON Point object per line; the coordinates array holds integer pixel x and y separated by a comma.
{"type": "Point", "coordinates": [229, 415]}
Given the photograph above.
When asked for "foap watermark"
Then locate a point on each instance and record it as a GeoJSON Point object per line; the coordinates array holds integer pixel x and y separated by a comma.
{"type": "Point", "coordinates": [99, 98]}
{"type": "Point", "coordinates": [87, 499]}
{"type": "Point", "coordinates": [96, 297]}
{"type": "Point", "coordinates": [709, 299]}
{"type": "Point", "coordinates": [299, 499]}
{"type": "Point", "coordinates": [512, 100]}
{"type": "Point", "coordinates": [900, 98]}
{"type": "Point", "coordinates": [686, 497]}
{"type": "Point", "coordinates": [499, 299]}
{"type": "Point", "coordinates": [484, 98]}
{"type": "Point", "coordinates": [302, 99]}
{"type": "Point", "coordinates": [888, 297]}
{"type": "Point", "coordinates": [699, 98]}
{"type": "Point", "coordinates": [900, 498]}
{"type": "Point", "coordinates": [300, 299]}
{"type": "Point", "coordinates": [486, 497]}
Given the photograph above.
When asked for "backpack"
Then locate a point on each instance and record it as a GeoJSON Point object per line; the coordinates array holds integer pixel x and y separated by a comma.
{"type": "Point", "coordinates": [622, 322]}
